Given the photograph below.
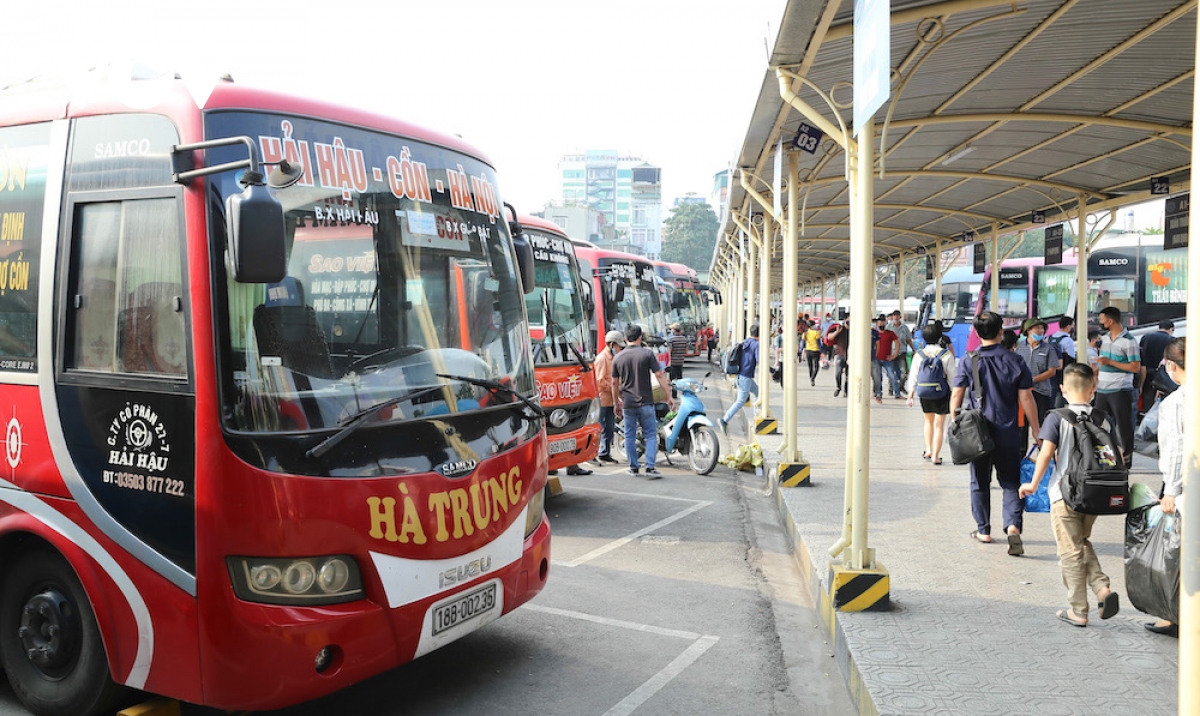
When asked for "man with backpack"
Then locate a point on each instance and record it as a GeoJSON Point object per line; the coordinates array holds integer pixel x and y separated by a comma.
{"type": "Point", "coordinates": [929, 380]}
{"type": "Point", "coordinates": [747, 363]}
{"type": "Point", "coordinates": [1089, 479]}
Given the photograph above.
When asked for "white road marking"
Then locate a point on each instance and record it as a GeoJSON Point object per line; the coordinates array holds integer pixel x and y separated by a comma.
{"type": "Point", "coordinates": [634, 494]}
{"type": "Point", "coordinates": [700, 644]}
{"type": "Point", "coordinates": [618, 543]}
{"type": "Point", "coordinates": [655, 683]}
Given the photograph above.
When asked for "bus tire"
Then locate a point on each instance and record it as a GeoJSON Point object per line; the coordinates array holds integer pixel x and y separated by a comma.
{"type": "Point", "coordinates": [50, 644]}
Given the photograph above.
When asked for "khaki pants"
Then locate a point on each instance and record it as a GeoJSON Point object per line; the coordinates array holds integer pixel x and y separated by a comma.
{"type": "Point", "coordinates": [1076, 558]}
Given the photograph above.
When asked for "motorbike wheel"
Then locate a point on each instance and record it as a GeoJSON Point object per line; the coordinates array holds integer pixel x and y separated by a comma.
{"type": "Point", "coordinates": [705, 450]}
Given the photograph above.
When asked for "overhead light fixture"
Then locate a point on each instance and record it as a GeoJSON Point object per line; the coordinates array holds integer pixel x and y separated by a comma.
{"type": "Point", "coordinates": [959, 153]}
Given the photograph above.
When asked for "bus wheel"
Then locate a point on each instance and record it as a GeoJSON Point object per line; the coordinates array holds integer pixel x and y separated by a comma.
{"type": "Point", "coordinates": [49, 642]}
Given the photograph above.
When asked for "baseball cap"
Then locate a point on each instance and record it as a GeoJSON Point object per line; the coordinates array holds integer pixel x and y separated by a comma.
{"type": "Point", "coordinates": [1030, 323]}
{"type": "Point", "coordinates": [614, 337]}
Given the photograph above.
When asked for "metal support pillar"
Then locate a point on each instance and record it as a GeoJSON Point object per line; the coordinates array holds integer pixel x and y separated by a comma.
{"type": "Point", "coordinates": [900, 287]}
{"type": "Point", "coordinates": [790, 452]}
{"type": "Point", "coordinates": [995, 290]}
{"type": "Point", "coordinates": [937, 279]}
{"type": "Point", "coordinates": [1189, 560]}
{"type": "Point", "coordinates": [862, 269]}
{"type": "Point", "coordinates": [765, 424]}
{"type": "Point", "coordinates": [1083, 250]}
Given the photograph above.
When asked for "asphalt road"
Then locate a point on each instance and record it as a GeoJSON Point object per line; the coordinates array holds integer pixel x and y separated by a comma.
{"type": "Point", "coordinates": [673, 596]}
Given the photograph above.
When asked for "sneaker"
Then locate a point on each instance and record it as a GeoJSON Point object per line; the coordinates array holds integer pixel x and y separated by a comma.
{"type": "Point", "coordinates": [606, 458]}
{"type": "Point", "coordinates": [837, 392]}
{"type": "Point", "coordinates": [724, 425]}
{"type": "Point", "coordinates": [653, 474]}
{"type": "Point", "coordinates": [632, 471]}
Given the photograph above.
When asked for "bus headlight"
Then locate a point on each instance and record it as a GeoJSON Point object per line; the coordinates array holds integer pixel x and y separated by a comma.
{"type": "Point", "coordinates": [593, 415]}
{"type": "Point", "coordinates": [537, 508]}
{"type": "Point", "coordinates": [296, 581]}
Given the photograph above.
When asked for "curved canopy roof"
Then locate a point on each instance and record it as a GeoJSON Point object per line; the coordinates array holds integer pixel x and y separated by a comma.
{"type": "Point", "coordinates": [998, 108]}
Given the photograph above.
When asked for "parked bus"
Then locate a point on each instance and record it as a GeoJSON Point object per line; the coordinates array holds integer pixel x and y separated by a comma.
{"type": "Point", "coordinates": [626, 290]}
{"type": "Point", "coordinates": [558, 309]}
{"type": "Point", "coordinates": [687, 306]}
{"type": "Point", "coordinates": [960, 295]}
{"type": "Point", "coordinates": [1129, 271]}
{"type": "Point", "coordinates": [249, 427]}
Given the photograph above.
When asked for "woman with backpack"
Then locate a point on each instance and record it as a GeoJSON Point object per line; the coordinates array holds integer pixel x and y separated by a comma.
{"type": "Point", "coordinates": [929, 382]}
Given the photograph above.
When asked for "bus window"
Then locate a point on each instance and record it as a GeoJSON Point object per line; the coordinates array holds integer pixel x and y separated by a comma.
{"type": "Point", "coordinates": [1054, 287]}
{"type": "Point", "coordinates": [129, 291]}
{"type": "Point", "coordinates": [1118, 292]}
{"type": "Point", "coordinates": [1013, 303]}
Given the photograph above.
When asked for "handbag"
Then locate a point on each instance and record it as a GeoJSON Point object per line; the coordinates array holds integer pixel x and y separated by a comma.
{"type": "Point", "coordinates": [969, 436]}
{"type": "Point", "coordinates": [1039, 501]}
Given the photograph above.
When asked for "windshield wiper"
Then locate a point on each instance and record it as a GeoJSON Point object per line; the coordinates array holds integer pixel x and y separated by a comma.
{"type": "Point", "coordinates": [354, 422]}
{"type": "Point", "coordinates": [497, 387]}
{"type": "Point", "coordinates": [560, 333]}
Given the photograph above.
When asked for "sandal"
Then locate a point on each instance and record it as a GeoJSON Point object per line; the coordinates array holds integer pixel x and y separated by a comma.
{"type": "Point", "coordinates": [1109, 606]}
{"type": "Point", "coordinates": [937, 461]}
{"type": "Point", "coordinates": [1015, 547]}
{"type": "Point", "coordinates": [982, 539]}
{"type": "Point", "coordinates": [925, 456]}
{"type": "Point", "coordinates": [1068, 616]}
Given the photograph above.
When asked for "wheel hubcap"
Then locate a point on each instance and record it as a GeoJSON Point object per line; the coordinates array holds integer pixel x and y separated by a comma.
{"type": "Point", "coordinates": [49, 631]}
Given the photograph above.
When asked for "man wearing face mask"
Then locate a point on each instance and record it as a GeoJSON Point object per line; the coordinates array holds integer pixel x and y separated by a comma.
{"type": "Point", "coordinates": [1120, 359]}
{"type": "Point", "coordinates": [1043, 362]}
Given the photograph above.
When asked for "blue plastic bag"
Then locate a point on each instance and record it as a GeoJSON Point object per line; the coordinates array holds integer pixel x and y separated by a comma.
{"type": "Point", "coordinates": [1040, 500]}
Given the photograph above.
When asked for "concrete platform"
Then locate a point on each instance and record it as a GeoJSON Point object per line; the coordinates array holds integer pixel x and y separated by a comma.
{"type": "Point", "coordinates": [970, 630]}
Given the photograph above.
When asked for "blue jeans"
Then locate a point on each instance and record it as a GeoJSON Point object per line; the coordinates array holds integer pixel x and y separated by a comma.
{"type": "Point", "coordinates": [745, 386]}
{"type": "Point", "coordinates": [879, 368]}
{"type": "Point", "coordinates": [645, 417]}
{"type": "Point", "coordinates": [608, 425]}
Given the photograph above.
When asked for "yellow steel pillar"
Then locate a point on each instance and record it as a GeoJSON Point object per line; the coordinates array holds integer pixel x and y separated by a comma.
{"type": "Point", "coordinates": [859, 582]}
{"type": "Point", "coordinates": [1189, 560]}
{"type": "Point", "coordinates": [765, 423]}
{"type": "Point", "coordinates": [937, 279]}
{"type": "Point", "coordinates": [794, 471]}
{"type": "Point", "coordinates": [1083, 250]}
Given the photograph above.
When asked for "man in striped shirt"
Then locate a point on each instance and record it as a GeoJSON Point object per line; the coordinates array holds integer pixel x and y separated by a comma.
{"type": "Point", "coordinates": [1120, 359]}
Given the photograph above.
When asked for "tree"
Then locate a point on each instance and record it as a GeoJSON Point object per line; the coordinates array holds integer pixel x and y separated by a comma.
{"type": "Point", "coordinates": [689, 235]}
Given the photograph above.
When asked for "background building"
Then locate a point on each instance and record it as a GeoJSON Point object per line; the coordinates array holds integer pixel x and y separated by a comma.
{"type": "Point", "coordinates": [626, 193]}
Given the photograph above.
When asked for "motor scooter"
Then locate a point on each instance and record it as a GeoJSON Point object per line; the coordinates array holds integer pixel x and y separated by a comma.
{"type": "Point", "coordinates": [688, 430]}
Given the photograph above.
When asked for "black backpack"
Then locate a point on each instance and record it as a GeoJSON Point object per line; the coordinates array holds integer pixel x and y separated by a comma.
{"type": "Point", "coordinates": [1096, 481]}
{"type": "Point", "coordinates": [733, 359]}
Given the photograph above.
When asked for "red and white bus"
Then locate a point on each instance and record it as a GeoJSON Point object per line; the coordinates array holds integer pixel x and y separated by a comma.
{"type": "Point", "coordinates": [626, 287]}
{"type": "Point", "coordinates": [687, 307]}
{"type": "Point", "coordinates": [253, 425]}
{"type": "Point", "coordinates": [558, 309]}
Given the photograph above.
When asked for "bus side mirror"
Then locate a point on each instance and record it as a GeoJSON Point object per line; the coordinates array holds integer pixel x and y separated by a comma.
{"type": "Point", "coordinates": [257, 236]}
{"type": "Point", "coordinates": [616, 292]}
{"type": "Point", "coordinates": [525, 265]}
{"type": "Point", "coordinates": [585, 296]}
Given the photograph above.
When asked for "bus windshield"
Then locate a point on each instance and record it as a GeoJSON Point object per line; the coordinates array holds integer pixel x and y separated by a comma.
{"type": "Point", "coordinates": [400, 276]}
{"type": "Point", "coordinates": [555, 306]}
{"type": "Point", "coordinates": [640, 304]}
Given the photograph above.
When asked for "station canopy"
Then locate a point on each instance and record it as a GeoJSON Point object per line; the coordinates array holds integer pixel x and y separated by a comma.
{"type": "Point", "coordinates": [997, 110]}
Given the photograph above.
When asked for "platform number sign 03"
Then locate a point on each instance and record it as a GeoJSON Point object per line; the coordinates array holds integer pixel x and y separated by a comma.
{"type": "Point", "coordinates": [807, 138]}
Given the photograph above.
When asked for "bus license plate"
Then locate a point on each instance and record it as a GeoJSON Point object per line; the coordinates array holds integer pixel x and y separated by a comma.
{"type": "Point", "coordinates": [467, 607]}
{"type": "Point", "coordinates": [564, 445]}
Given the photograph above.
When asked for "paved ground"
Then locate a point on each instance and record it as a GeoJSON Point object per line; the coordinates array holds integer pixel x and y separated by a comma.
{"type": "Point", "coordinates": [971, 629]}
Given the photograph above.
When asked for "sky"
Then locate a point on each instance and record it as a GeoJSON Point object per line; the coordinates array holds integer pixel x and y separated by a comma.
{"type": "Point", "coordinates": [526, 81]}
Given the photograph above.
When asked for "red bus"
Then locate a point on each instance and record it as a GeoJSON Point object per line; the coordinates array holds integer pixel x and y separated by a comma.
{"type": "Point", "coordinates": [558, 310]}
{"type": "Point", "coordinates": [687, 306]}
{"type": "Point", "coordinates": [253, 425]}
{"type": "Point", "coordinates": [626, 287]}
